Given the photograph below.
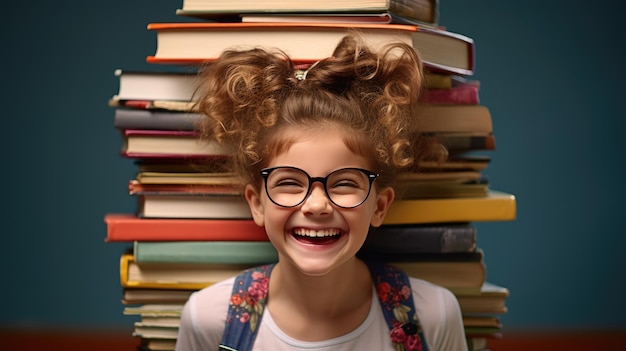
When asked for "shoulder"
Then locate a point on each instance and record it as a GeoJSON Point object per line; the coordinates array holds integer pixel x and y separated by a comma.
{"type": "Point", "coordinates": [203, 317]}
{"type": "Point", "coordinates": [439, 314]}
{"type": "Point", "coordinates": [424, 291]}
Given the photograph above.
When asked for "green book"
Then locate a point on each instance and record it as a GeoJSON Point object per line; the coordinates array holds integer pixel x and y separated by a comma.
{"type": "Point", "coordinates": [225, 252]}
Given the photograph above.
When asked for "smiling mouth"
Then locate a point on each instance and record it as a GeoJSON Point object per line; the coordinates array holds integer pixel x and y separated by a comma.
{"type": "Point", "coordinates": [317, 237]}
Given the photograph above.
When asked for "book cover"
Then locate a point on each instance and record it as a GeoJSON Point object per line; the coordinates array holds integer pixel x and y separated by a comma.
{"type": "Point", "coordinates": [197, 42]}
{"type": "Point", "coordinates": [231, 252]}
{"type": "Point", "coordinates": [353, 17]}
{"type": "Point", "coordinates": [136, 296]}
{"type": "Point", "coordinates": [192, 205]}
{"type": "Point", "coordinates": [156, 85]}
{"type": "Point", "coordinates": [168, 143]}
{"type": "Point", "coordinates": [459, 95]}
{"type": "Point", "coordinates": [454, 143]}
{"type": "Point", "coordinates": [456, 163]}
{"type": "Point", "coordinates": [426, 11]}
{"type": "Point", "coordinates": [496, 206]}
{"type": "Point", "coordinates": [444, 189]}
{"type": "Point", "coordinates": [482, 321]}
{"type": "Point", "coordinates": [141, 330]}
{"type": "Point", "coordinates": [424, 238]}
{"type": "Point", "coordinates": [164, 105]}
{"type": "Point", "coordinates": [160, 321]}
{"type": "Point", "coordinates": [438, 176]}
{"type": "Point", "coordinates": [162, 345]}
{"type": "Point", "coordinates": [402, 257]}
{"type": "Point", "coordinates": [158, 175]}
{"type": "Point", "coordinates": [460, 277]}
{"type": "Point", "coordinates": [182, 276]}
{"type": "Point", "coordinates": [138, 119]}
{"type": "Point", "coordinates": [154, 309]}
{"type": "Point", "coordinates": [210, 168]}
{"type": "Point", "coordinates": [440, 118]}
{"type": "Point", "coordinates": [123, 227]}
{"type": "Point", "coordinates": [135, 187]}
{"type": "Point", "coordinates": [490, 300]}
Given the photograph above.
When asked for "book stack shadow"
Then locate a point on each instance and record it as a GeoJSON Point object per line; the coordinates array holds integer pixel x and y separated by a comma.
{"type": "Point", "coordinates": [192, 226]}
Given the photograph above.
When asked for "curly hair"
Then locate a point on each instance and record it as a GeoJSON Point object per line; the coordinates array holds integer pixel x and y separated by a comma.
{"type": "Point", "coordinates": [250, 97]}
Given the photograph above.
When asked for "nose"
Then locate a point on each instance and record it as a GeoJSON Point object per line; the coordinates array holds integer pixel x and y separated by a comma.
{"type": "Point", "coordinates": [317, 203]}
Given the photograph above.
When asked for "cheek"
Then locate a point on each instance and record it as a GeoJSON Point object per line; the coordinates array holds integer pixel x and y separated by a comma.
{"type": "Point", "coordinates": [275, 217]}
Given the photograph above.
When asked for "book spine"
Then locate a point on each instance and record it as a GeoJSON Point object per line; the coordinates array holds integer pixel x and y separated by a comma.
{"type": "Point", "coordinates": [455, 143]}
{"type": "Point", "coordinates": [496, 206]}
{"type": "Point", "coordinates": [461, 95]}
{"type": "Point", "coordinates": [411, 239]}
{"type": "Point", "coordinates": [426, 11]}
{"type": "Point", "coordinates": [129, 228]}
{"type": "Point", "coordinates": [227, 252]}
{"type": "Point", "coordinates": [174, 276]}
{"type": "Point", "coordinates": [444, 257]}
{"type": "Point", "coordinates": [155, 120]}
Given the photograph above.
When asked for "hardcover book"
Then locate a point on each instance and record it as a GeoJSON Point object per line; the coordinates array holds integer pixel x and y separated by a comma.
{"type": "Point", "coordinates": [197, 42]}
{"type": "Point", "coordinates": [135, 296]}
{"type": "Point", "coordinates": [441, 118]}
{"type": "Point", "coordinates": [490, 300]}
{"type": "Point", "coordinates": [124, 227]}
{"type": "Point", "coordinates": [496, 206]}
{"type": "Point", "coordinates": [175, 188]}
{"type": "Point", "coordinates": [168, 143]}
{"type": "Point", "coordinates": [155, 85]}
{"type": "Point", "coordinates": [230, 252]}
{"type": "Point", "coordinates": [424, 238]}
{"type": "Point", "coordinates": [426, 11]}
{"type": "Point", "coordinates": [192, 205]}
{"type": "Point", "coordinates": [181, 276]}
{"type": "Point", "coordinates": [125, 118]}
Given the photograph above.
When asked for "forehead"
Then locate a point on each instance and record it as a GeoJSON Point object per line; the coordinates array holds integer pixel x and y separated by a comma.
{"type": "Point", "coordinates": [318, 152]}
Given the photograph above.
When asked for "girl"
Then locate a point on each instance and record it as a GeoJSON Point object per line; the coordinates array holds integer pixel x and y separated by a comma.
{"type": "Point", "coordinates": [317, 150]}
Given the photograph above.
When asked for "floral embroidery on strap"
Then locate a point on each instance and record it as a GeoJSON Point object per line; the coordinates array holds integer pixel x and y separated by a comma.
{"type": "Point", "coordinates": [248, 304]}
{"type": "Point", "coordinates": [395, 296]}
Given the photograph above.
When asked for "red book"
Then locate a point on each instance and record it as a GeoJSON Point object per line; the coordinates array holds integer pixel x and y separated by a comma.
{"type": "Point", "coordinates": [463, 95]}
{"type": "Point", "coordinates": [129, 228]}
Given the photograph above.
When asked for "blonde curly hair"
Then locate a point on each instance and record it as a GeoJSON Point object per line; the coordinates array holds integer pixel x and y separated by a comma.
{"type": "Point", "coordinates": [250, 97]}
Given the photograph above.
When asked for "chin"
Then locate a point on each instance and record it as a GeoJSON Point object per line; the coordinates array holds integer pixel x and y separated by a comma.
{"type": "Point", "coordinates": [316, 267]}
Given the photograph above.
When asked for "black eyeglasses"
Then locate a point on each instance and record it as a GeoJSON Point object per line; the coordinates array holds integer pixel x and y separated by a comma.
{"type": "Point", "coordinates": [290, 186]}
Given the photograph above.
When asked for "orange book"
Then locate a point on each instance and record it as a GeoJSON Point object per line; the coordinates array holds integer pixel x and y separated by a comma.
{"type": "Point", "coordinates": [195, 42]}
{"type": "Point", "coordinates": [129, 228]}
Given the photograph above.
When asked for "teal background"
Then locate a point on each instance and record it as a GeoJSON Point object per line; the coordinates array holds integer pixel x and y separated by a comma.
{"type": "Point", "coordinates": [551, 73]}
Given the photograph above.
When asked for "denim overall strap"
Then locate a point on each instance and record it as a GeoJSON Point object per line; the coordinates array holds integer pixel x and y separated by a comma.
{"type": "Point", "coordinates": [247, 303]}
{"type": "Point", "coordinates": [396, 299]}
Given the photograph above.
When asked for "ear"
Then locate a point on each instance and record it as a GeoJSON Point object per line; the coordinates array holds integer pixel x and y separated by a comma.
{"type": "Point", "coordinates": [384, 199]}
{"type": "Point", "coordinates": [255, 204]}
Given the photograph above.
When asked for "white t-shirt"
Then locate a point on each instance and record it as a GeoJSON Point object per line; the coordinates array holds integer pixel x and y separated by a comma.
{"type": "Point", "coordinates": [204, 315]}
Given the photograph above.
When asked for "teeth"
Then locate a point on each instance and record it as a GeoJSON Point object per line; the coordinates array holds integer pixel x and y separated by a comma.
{"type": "Point", "coordinates": [316, 233]}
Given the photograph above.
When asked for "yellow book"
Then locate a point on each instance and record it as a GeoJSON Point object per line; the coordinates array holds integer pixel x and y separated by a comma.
{"type": "Point", "coordinates": [496, 206]}
{"type": "Point", "coordinates": [181, 276]}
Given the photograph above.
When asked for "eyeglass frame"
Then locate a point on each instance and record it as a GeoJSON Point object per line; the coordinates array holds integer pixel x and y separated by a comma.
{"type": "Point", "coordinates": [371, 176]}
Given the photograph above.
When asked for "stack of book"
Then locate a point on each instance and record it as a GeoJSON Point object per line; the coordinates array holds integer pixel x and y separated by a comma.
{"type": "Point", "coordinates": [192, 227]}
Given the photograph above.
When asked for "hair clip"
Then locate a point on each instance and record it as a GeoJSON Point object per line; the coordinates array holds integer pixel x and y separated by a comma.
{"type": "Point", "coordinates": [301, 74]}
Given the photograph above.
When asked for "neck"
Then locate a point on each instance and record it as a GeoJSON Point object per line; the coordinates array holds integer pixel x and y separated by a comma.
{"type": "Point", "coordinates": [319, 307]}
